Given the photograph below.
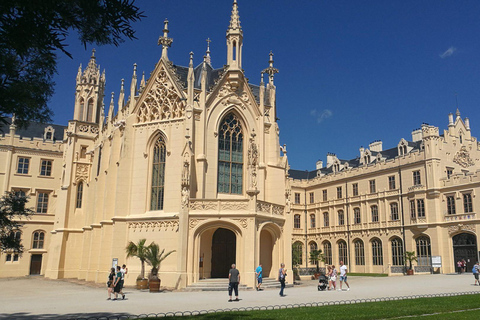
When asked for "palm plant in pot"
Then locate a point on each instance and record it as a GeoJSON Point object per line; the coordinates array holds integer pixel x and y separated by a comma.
{"type": "Point", "coordinates": [139, 250]}
{"type": "Point", "coordinates": [315, 257]}
{"type": "Point", "coordinates": [154, 258]}
{"type": "Point", "coordinates": [409, 257]}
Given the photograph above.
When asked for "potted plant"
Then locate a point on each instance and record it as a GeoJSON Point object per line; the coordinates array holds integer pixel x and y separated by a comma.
{"type": "Point", "coordinates": [315, 257]}
{"type": "Point", "coordinates": [139, 250]}
{"type": "Point", "coordinates": [410, 256]}
{"type": "Point", "coordinates": [154, 258]}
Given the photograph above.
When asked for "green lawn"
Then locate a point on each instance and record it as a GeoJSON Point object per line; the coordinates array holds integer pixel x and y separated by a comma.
{"type": "Point", "coordinates": [456, 307]}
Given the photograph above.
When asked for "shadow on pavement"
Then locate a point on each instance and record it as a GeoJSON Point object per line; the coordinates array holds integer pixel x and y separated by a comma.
{"type": "Point", "coordinates": [70, 316]}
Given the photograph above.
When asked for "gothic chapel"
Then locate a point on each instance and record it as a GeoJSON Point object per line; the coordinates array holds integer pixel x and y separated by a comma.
{"type": "Point", "coordinates": [191, 161]}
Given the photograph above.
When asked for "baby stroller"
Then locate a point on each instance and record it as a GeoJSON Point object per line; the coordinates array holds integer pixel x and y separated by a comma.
{"type": "Point", "coordinates": [322, 282]}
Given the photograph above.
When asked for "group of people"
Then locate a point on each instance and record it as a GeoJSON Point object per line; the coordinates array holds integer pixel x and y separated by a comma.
{"type": "Point", "coordinates": [234, 279]}
{"type": "Point", "coordinates": [332, 277]}
{"type": "Point", "coordinates": [461, 266]}
{"type": "Point", "coordinates": [115, 282]}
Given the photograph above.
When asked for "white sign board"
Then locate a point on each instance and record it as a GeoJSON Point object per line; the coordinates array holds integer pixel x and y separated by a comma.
{"type": "Point", "coordinates": [436, 261]}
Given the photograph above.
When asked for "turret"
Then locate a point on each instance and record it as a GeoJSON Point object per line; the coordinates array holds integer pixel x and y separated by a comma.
{"type": "Point", "coordinates": [90, 86]}
{"type": "Point", "coordinates": [234, 40]}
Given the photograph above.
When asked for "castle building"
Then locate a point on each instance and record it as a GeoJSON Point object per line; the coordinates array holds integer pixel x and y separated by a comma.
{"type": "Point", "coordinates": [192, 161]}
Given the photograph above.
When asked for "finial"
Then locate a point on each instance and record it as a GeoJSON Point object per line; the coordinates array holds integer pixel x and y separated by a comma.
{"type": "Point", "coordinates": [261, 77]}
{"type": "Point", "coordinates": [93, 53]}
{"type": "Point", "coordinates": [271, 70]}
{"type": "Point", "coordinates": [142, 82]}
{"type": "Point", "coordinates": [111, 100]}
{"type": "Point", "coordinates": [165, 41]}
{"type": "Point", "coordinates": [457, 113]}
{"type": "Point", "coordinates": [191, 59]}
{"type": "Point", "coordinates": [121, 86]}
{"type": "Point", "coordinates": [208, 51]}
{"type": "Point", "coordinates": [235, 18]}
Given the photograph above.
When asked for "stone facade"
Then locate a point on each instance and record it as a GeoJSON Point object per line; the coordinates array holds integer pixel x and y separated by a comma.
{"type": "Point", "coordinates": [192, 161]}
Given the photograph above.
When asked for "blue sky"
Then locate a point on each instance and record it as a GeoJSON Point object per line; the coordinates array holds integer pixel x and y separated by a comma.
{"type": "Point", "coordinates": [351, 72]}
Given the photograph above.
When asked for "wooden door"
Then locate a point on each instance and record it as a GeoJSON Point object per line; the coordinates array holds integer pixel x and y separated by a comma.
{"type": "Point", "coordinates": [35, 264]}
{"type": "Point", "coordinates": [224, 246]}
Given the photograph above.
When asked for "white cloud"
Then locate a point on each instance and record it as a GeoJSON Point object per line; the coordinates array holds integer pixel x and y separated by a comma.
{"type": "Point", "coordinates": [321, 115]}
{"type": "Point", "coordinates": [448, 53]}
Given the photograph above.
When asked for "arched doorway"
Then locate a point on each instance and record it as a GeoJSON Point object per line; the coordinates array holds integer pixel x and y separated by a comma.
{"type": "Point", "coordinates": [266, 250]}
{"type": "Point", "coordinates": [224, 251]}
{"type": "Point", "coordinates": [465, 247]}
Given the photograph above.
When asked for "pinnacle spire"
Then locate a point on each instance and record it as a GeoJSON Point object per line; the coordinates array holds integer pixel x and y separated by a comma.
{"type": "Point", "coordinates": [165, 41]}
{"type": "Point", "coordinates": [209, 61]}
{"type": "Point", "coordinates": [190, 64]}
{"type": "Point", "coordinates": [235, 18]}
{"type": "Point", "coordinates": [271, 70]}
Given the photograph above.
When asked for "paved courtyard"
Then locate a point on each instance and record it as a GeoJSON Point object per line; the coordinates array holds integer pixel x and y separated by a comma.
{"type": "Point", "coordinates": [39, 298]}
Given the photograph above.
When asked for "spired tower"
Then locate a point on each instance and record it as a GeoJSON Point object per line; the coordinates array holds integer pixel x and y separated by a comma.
{"type": "Point", "coordinates": [89, 92]}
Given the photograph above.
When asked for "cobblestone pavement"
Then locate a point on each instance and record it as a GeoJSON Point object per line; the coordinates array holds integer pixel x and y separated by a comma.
{"type": "Point", "coordinates": [39, 298]}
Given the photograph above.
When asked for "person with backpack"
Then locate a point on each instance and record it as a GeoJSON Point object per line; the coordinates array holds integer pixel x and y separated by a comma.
{"type": "Point", "coordinates": [476, 271]}
{"type": "Point", "coordinates": [282, 274]}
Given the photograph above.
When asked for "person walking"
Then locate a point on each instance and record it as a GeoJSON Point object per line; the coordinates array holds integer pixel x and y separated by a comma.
{"type": "Point", "coordinates": [233, 280]}
{"type": "Point", "coordinates": [459, 266]}
{"type": "Point", "coordinates": [282, 274]}
{"type": "Point", "coordinates": [464, 266]}
{"type": "Point", "coordinates": [329, 277]}
{"type": "Point", "coordinates": [111, 276]}
{"type": "Point", "coordinates": [333, 277]}
{"type": "Point", "coordinates": [259, 275]}
{"type": "Point", "coordinates": [476, 271]}
{"type": "Point", "coordinates": [343, 275]}
{"type": "Point", "coordinates": [124, 271]}
{"type": "Point", "coordinates": [117, 283]}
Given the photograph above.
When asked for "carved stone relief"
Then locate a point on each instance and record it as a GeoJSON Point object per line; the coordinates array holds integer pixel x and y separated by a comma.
{"type": "Point", "coordinates": [154, 225]}
{"type": "Point", "coordinates": [461, 227]}
{"type": "Point", "coordinates": [462, 157]}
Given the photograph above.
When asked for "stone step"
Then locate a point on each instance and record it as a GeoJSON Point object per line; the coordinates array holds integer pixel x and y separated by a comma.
{"type": "Point", "coordinates": [222, 285]}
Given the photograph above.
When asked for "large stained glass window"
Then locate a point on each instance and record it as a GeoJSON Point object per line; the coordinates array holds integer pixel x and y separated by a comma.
{"type": "Point", "coordinates": [230, 155]}
{"type": "Point", "coordinates": [158, 175]}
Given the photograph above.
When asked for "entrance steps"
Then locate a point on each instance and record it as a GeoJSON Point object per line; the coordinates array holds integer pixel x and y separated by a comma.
{"type": "Point", "coordinates": [222, 285]}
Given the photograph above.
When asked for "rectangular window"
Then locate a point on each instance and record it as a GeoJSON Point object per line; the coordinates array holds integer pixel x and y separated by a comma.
{"type": "Point", "coordinates": [467, 202]}
{"type": "Point", "coordinates": [356, 216]}
{"type": "Point", "coordinates": [373, 189]}
{"type": "Point", "coordinates": [324, 194]}
{"type": "Point", "coordinates": [297, 197]}
{"type": "Point", "coordinates": [46, 168]}
{"type": "Point", "coordinates": [326, 220]}
{"type": "Point", "coordinates": [296, 221]}
{"type": "Point", "coordinates": [15, 257]}
{"type": "Point", "coordinates": [339, 192]}
{"type": "Point", "coordinates": [312, 221]}
{"type": "Point", "coordinates": [355, 189]}
{"type": "Point", "coordinates": [341, 218]}
{"type": "Point", "coordinates": [394, 211]}
{"type": "Point", "coordinates": [374, 210]}
{"type": "Point", "coordinates": [42, 202]}
{"type": "Point", "coordinates": [312, 197]}
{"type": "Point", "coordinates": [416, 178]}
{"type": "Point", "coordinates": [449, 172]}
{"type": "Point", "coordinates": [391, 183]}
{"type": "Point", "coordinates": [8, 257]}
{"type": "Point", "coordinates": [23, 164]}
{"type": "Point", "coordinates": [421, 208]}
{"type": "Point", "coordinates": [413, 212]}
{"type": "Point", "coordinates": [451, 205]}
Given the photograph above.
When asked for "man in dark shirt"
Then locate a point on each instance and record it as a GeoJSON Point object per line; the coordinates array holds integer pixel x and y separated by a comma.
{"type": "Point", "coordinates": [233, 280]}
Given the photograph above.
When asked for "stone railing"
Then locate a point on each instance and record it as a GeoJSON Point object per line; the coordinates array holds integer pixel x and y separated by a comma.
{"type": "Point", "coordinates": [417, 187]}
{"type": "Point", "coordinates": [460, 216]}
{"type": "Point", "coordinates": [218, 205]}
{"type": "Point", "coordinates": [397, 269]}
{"type": "Point", "coordinates": [422, 268]}
{"type": "Point", "coordinates": [270, 208]}
{"type": "Point", "coordinates": [310, 271]}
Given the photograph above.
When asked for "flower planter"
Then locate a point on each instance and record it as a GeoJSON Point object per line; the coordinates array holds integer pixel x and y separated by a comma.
{"type": "Point", "coordinates": [316, 275]}
{"type": "Point", "coordinates": [409, 272]}
{"type": "Point", "coordinates": [154, 285]}
{"type": "Point", "coordinates": [142, 284]}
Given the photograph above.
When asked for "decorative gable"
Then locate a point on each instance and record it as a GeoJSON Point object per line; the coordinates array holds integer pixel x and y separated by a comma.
{"type": "Point", "coordinates": [161, 100]}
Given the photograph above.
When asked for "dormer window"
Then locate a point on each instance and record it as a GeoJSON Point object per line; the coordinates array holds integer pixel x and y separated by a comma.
{"type": "Point", "coordinates": [48, 133]}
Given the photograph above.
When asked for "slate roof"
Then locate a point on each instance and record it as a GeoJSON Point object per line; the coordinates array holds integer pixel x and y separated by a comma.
{"type": "Point", "coordinates": [36, 130]}
{"type": "Point", "coordinates": [352, 163]}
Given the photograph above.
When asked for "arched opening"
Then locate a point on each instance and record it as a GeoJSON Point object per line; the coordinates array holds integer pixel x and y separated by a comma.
{"type": "Point", "coordinates": [266, 252]}
{"type": "Point", "coordinates": [465, 247]}
{"type": "Point", "coordinates": [90, 111]}
{"type": "Point", "coordinates": [224, 251]}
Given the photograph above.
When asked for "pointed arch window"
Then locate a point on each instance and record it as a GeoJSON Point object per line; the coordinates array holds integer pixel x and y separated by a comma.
{"type": "Point", "coordinates": [79, 194]}
{"type": "Point", "coordinates": [158, 175]}
{"type": "Point", "coordinates": [230, 155]}
{"type": "Point", "coordinates": [359, 252]}
{"type": "Point", "coordinates": [377, 252]}
{"type": "Point", "coordinates": [38, 240]}
{"type": "Point", "coordinates": [327, 252]}
{"type": "Point", "coordinates": [90, 111]}
{"type": "Point", "coordinates": [342, 252]}
{"type": "Point", "coordinates": [397, 252]}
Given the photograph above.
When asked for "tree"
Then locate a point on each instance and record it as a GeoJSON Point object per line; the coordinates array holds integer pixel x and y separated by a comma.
{"type": "Point", "coordinates": [12, 210]}
{"type": "Point", "coordinates": [138, 250]}
{"type": "Point", "coordinates": [31, 32]}
{"type": "Point", "coordinates": [155, 257]}
{"type": "Point", "coordinates": [410, 256]}
{"type": "Point", "coordinates": [315, 257]}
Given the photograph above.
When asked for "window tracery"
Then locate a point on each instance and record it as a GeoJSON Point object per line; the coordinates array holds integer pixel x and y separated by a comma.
{"type": "Point", "coordinates": [230, 155]}
{"type": "Point", "coordinates": [158, 175]}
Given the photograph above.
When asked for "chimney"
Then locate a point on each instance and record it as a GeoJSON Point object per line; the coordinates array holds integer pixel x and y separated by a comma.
{"type": "Point", "coordinates": [319, 164]}
{"type": "Point", "coordinates": [330, 159]}
{"type": "Point", "coordinates": [376, 146]}
{"type": "Point", "coordinates": [417, 135]}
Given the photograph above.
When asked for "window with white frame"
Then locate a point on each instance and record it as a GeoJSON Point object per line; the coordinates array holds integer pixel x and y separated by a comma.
{"type": "Point", "coordinates": [297, 197]}
{"type": "Point", "coordinates": [397, 252]}
{"type": "Point", "coordinates": [451, 205]}
{"type": "Point", "coordinates": [341, 218]}
{"type": "Point", "coordinates": [467, 203]}
{"type": "Point", "coordinates": [42, 202]}
{"type": "Point", "coordinates": [339, 193]}
{"type": "Point", "coordinates": [394, 211]}
{"type": "Point", "coordinates": [374, 211]}
{"type": "Point", "coordinates": [373, 188]}
{"type": "Point", "coordinates": [355, 189]}
{"type": "Point", "coordinates": [377, 252]}
{"type": "Point", "coordinates": [356, 216]}
{"type": "Point", "coordinates": [326, 220]}
{"type": "Point", "coordinates": [23, 165]}
{"type": "Point", "coordinates": [421, 208]}
{"type": "Point", "coordinates": [359, 252]}
{"type": "Point", "coordinates": [46, 168]}
{"type": "Point", "coordinates": [296, 221]}
{"type": "Point", "coordinates": [416, 178]}
{"type": "Point", "coordinates": [391, 183]}
{"type": "Point", "coordinates": [312, 197]}
{"type": "Point", "coordinates": [312, 221]}
{"type": "Point", "coordinates": [324, 195]}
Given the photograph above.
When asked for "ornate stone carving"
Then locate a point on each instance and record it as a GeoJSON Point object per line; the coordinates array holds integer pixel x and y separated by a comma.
{"type": "Point", "coordinates": [462, 157]}
{"type": "Point", "coordinates": [154, 225]}
{"type": "Point", "coordinates": [193, 223]}
{"type": "Point", "coordinates": [203, 205]}
{"type": "Point", "coordinates": [233, 205]}
{"type": "Point", "coordinates": [243, 222]}
{"type": "Point", "coordinates": [461, 227]}
{"type": "Point", "coordinates": [253, 161]}
{"type": "Point", "coordinates": [185, 197]}
{"type": "Point", "coordinates": [162, 102]}
{"type": "Point", "coordinates": [82, 171]}
{"type": "Point", "coordinates": [186, 170]}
